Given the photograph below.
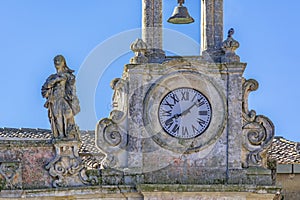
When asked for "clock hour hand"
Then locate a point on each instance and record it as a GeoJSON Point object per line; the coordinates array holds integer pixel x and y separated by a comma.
{"type": "Point", "coordinates": [170, 120]}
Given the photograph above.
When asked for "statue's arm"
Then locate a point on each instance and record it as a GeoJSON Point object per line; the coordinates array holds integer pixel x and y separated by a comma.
{"type": "Point", "coordinates": [46, 88]}
{"type": "Point", "coordinates": [50, 83]}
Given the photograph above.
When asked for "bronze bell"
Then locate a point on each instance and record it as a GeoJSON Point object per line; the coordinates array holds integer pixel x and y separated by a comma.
{"type": "Point", "coordinates": [180, 15]}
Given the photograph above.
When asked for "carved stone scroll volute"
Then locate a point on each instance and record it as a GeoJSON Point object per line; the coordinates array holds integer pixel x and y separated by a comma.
{"type": "Point", "coordinates": [258, 131]}
{"type": "Point", "coordinates": [111, 137]}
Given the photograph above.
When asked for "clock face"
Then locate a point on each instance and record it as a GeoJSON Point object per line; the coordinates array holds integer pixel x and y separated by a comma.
{"type": "Point", "coordinates": [184, 113]}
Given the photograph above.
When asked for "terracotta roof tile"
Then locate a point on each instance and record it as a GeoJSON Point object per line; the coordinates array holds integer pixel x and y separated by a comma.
{"type": "Point", "coordinates": [25, 134]}
{"type": "Point", "coordinates": [90, 154]}
{"type": "Point", "coordinates": [285, 151]}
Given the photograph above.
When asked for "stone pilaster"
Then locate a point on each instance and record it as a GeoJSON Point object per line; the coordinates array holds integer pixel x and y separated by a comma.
{"type": "Point", "coordinates": [234, 104]}
{"type": "Point", "coordinates": [211, 25]}
{"type": "Point", "coordinates": [152, 29]}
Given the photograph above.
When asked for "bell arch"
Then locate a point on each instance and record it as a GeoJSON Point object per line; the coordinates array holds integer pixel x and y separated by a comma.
{"type": "Point", "coordinates": [211, 25]}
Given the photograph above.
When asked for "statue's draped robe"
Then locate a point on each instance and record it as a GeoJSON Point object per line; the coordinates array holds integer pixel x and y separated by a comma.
{"type": "Point", "coordinates": [62, 103]}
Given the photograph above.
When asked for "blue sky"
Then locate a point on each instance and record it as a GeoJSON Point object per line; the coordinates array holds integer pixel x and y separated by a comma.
{"type": "Point", "coordinates": [33, 32]}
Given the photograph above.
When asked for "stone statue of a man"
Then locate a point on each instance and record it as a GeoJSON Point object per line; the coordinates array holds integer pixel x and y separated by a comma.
{"type": "Point", "coordinates": [62, 102]}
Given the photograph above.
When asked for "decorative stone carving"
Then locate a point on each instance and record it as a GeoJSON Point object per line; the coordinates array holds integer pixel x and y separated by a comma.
{"type": "Point", "coordinates": [66, 163]}
{"type": "Point", "coordinates": [111, 137]}
{"type": "Point", "coordinates": [62, 102]}
{"type": "Point", "coordinates": [119, 99]}
{"type": "Point", "coordinates": [229, 46]}
{"type": "Point", "coordinates": [67, 168]}
{"type": "Point", "coordinates": [139, 47]}
{"type": "Point", "coordinates": [9, 170]}
{"type": "Point", "coordinates": [258, 131]}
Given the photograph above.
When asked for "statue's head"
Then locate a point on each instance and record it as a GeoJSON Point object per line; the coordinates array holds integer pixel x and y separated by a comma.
{"type": "Point", "coordinates": [61, 64]}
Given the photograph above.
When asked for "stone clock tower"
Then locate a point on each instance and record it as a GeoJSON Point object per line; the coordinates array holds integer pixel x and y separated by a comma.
{"type": "Point", "coordinates": [182, 124]}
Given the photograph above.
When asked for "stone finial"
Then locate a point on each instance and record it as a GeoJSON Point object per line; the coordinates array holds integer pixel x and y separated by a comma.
{"type": "Point", "coordinates": [229, 46]}
{"type": "Point", "coordinates": [139, 47]}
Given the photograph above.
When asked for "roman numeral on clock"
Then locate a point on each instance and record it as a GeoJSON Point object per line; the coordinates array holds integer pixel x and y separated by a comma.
{"type": "Point", "coordinates": [169, 123]}
{"type": "Point", "coordinates": [201, 122]}
{"type": "Point", "coordinates": [200, 102]}
{"type": "Point", "coordinates": [195, 130]}
{"type": "Point", "coordinates": [203, 112]}
{"type": "Point", "coordinates": [185, 96]}
{"type": "Point", "coordinates": [184, 130]}
{"type": "Point", "coordinates": [166, 113]}
{"type": "Point", "coordinates": [174, 97]}
{"type": "Point", "coordinates": [166, 103]}
{"type": "Point", "coordinates": [175, 128]}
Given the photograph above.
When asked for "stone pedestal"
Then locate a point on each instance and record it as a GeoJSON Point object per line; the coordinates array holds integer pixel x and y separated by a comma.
{"type": "Point", "coordinates": [67, 168]}
{"type": "Point", "coordinates": [66, 165]}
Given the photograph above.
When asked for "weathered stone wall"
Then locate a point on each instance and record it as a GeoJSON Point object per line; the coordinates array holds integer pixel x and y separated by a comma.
{"type": "Point", "coordinates": [22, 163]}
{"type": "Point", "coordinates": [290, 184]}
{"type": "Point", "coordinates": [162, 156]}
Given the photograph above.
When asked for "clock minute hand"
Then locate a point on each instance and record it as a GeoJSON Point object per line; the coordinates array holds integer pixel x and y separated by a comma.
{"type": "Point", "coordinates": [187, 110]}
{"type": "Point", "coordinates": [170, 120]}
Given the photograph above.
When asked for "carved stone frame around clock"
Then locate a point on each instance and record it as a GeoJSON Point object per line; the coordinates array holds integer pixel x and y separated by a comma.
{"type": "Point", "coordinates": [190, 79]}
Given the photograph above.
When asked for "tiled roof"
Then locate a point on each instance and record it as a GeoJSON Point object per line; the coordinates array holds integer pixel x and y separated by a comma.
{"type": "Point", "coordinates": [91, 155]}
{"type": "Point", "coordinates": [25, 134]}
{"type": "Point", "coordinates": [285, 151]}
{"type": "Point", "coordinates": [88, 143]}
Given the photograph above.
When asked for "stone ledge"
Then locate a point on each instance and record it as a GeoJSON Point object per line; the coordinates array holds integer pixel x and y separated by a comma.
{"type": "Point", "coordinates": [258, 171]}
{"type": "Point", "coordinates": [145, 191]}
{"type": "Point", "coordinates": [96, 191]}
{"type": "Point", "coordinates": [206, 188]}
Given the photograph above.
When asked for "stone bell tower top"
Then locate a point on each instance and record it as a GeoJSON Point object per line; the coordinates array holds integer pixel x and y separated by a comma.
{"type": "Point", "coordinates": [211, 27]}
